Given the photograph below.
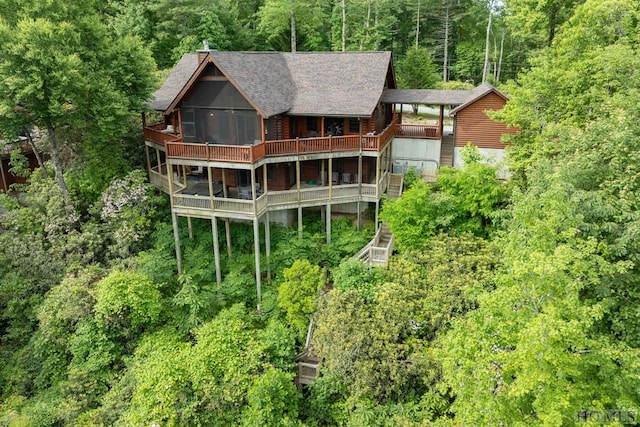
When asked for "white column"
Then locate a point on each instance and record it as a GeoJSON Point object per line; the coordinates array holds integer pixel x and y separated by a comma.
{"type": "Point", "coordinates": [216, 248]}
{"type": "Point", "coordinates": [256, 243]}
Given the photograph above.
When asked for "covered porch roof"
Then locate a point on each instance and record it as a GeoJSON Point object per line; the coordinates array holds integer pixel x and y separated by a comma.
{"type": "Point", "coordinates": [425, 96]}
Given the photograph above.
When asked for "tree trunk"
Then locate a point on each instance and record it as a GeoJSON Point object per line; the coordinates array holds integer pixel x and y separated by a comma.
{"type": "Point", "coordinates": [445, 61]}
{"type": "Point", "coordinates": [35, 152]}
{"type": "Point", "coordinates": [485, 69]}
{"type": "Point", "coordinates": [57, 165]}
{"type": "Point", "coordinates": [344, 25]}
{"type": "Point", "coordinates": [418, 25]}
{"type": "Point", "coordinates": [365, 40]}
{"type": "Point", "coordinates": [500, 58]}
{"type": "Point", "coordinates": [293, 31]}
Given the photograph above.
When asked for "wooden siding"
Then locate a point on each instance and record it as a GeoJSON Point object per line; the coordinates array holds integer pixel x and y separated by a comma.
{"type": "Point", "coordinates": [473, 125]}
{"type": "Point", "coordinates": [7, 179]}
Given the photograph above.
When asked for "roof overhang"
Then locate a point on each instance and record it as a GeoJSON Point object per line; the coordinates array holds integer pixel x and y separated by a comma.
{"type": "Point", "coordinates": [425, 96]}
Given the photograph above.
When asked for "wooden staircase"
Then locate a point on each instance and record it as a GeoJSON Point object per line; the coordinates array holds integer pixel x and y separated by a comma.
{"type": "Point", "coordinates": [446, 150]}
{"type": "Point", "coordinates": [307, 363]}
{"type": "Point", "coordinates": [394, 190]}
{"type": "Point", "coordinates": [379, 249]}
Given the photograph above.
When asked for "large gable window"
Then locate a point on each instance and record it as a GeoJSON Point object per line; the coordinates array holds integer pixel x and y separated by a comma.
{"type": "Point", "coordinates": [217, 113]}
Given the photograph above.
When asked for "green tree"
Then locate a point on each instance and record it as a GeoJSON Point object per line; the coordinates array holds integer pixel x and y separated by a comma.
{"type": "Point", "coordinates": [533, 352]}
{"type": "Point", "coordinates": [537, 22]}
{"type": "Point", "coordinates": [417, 70]}
{"type": "Point", "coordinates": [461, 200]}
{"type": "Point", "coordinates": [64, 73]}
{"type": "Point", "coordinates": [289, 24]}
{"type": "Point", "coordinates": [128, 302]}
{"type": "Point", "coordinates": [298, 293]}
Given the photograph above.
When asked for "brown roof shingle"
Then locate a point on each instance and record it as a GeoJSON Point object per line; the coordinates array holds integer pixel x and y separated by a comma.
{"type": "Point", "coordinates": [425, 96]}
{"type": "Point", "coordinates": [347, 84]}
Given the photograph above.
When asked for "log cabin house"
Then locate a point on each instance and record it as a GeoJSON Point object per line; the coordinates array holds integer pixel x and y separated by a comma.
{"type": "Point", "coordinates": [8, 179]}
{"type": "Point", "coordinates": [261, 136]}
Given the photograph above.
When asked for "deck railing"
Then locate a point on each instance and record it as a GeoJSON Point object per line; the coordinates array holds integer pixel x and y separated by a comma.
{"type": "Point", "coordinates": [175, 148]}
{"type": "Point", "coordinates": [417, 131]}
{"type": "Point", "coordinates": [154, 133]}
{"type": "Point", "coordinates": [270, 199]}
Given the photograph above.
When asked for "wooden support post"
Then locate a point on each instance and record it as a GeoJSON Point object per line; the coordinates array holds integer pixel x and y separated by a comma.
{"type": "Point", "coordinates": [176, 237]}
{"type": "Point", "coordinates": [377, 180]}
{"type": "Point", "coordinates": [227, 227]}
{"type": "Point", "coordinates": [174, 220]}
{"type": "Point", "coordinates": [330, 177]}
{"type": "Point", "coordinates": [254, 196]}
{"type": "Point", "coordinates": [328, 224]}
{"type": "Point", "coordinates": [323, 217]}
{"type": "Point", "coordinates": [298, 178]}
{"type": "Point", "coordinates": [256, 243]}
{"type": "Point", "coordinates": [148, 156]}
{"type": "Point", "coordinates": [190, 226]}
{"type": "Point", "coordinates": [377, 211]}
{"type": "Point", "coordinates": [216, 249]}
{"type": "Point", "coordinates": [440, 122]}
{"type": "Point", "coordinates": [322, 172]}
{"type": "Point", "coordinates": [300, 222]}
{"type": "Point", "coordinates": [267, 243]}
{"type": "Point", "coordinates": [359, 216]}
{"type": "Point", "coordinates": [159, 160]}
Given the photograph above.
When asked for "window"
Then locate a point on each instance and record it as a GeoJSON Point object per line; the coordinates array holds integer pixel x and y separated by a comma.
{"type": "Point", "coordinates": [354, 125]}
{"type": "Point", "coordinates": [312, 124]}
{"type": "Point", "coordinates": [188, 124]}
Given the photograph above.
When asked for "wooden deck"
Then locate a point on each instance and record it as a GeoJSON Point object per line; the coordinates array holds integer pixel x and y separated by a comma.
{"type": "Point", "coordinates": [177, 149]}
{"type": "Point", "coordinates": [202, 205]}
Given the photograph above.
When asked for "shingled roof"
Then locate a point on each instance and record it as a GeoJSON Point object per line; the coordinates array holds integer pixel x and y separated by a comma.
{"type": "Point", "coordinates": [425, 96]}
{"type": "Point", "coordinates": [475, 94]}
{"type": "Point", "coordinates": [174, 83]}
{"type": "Point", "coordinates": [346, 84]}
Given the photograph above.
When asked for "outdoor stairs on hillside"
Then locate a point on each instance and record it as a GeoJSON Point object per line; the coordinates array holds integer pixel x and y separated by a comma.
{"type": "Point", "coordinates": [446, 151]}
{"type": "Point", "coordinates": [307, 362]}
{"type": "Point", "coordinates": [379, 249]}
{"type": "Point", "coordinates": [394, 190]}
{"type": "Point", "coordinates": [376, 252]}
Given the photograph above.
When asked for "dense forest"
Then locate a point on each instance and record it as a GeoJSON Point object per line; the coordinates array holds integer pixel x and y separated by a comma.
{"type": "Point", "coordinates": [506, 303]}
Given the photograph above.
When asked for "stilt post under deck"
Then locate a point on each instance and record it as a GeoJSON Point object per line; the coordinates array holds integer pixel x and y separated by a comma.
{"type": "Point", "coordinates": [227, 229]}
{"type": "Point", "coordinates": [328, 224]}
{"type": "Point", "coordinates": [148, 156]}
{"type": "Point", "coordinates": [176, 237]}
{"type": "Point", "coordinates": [298, 188]}
{"type": "Point", "coordinates": [267, 224]}
{"type": "Point", "coordinates": [267, 244]}
{"type": "Point", "coordinates": [299, 222]}
{"type": "Point", "coordinates": [359, 216]}
{"type": "Point", "coordinates": [190, 226]}
{"type": "Point", "coordinates": [174, 220]}
{"type": "Point", "coordinates": [160, 163]}
{"type": "Point", "coordinates": [256, 243]}
{"type": "Point", "coordinates": [377, 211]}
{"type": "Point", "coordinates": [216, 249]}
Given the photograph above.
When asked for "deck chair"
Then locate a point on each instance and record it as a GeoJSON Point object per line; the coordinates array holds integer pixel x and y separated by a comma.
{"type": "Point", "coordinates": [335, 177]}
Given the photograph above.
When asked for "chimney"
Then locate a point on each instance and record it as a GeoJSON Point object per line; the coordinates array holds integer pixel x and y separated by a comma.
{"type": "Point", "coordinates": [202, 54]}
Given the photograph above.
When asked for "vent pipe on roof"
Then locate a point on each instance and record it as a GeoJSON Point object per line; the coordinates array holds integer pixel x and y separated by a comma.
{"type": "Point", "coordinates": [206, 44]}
